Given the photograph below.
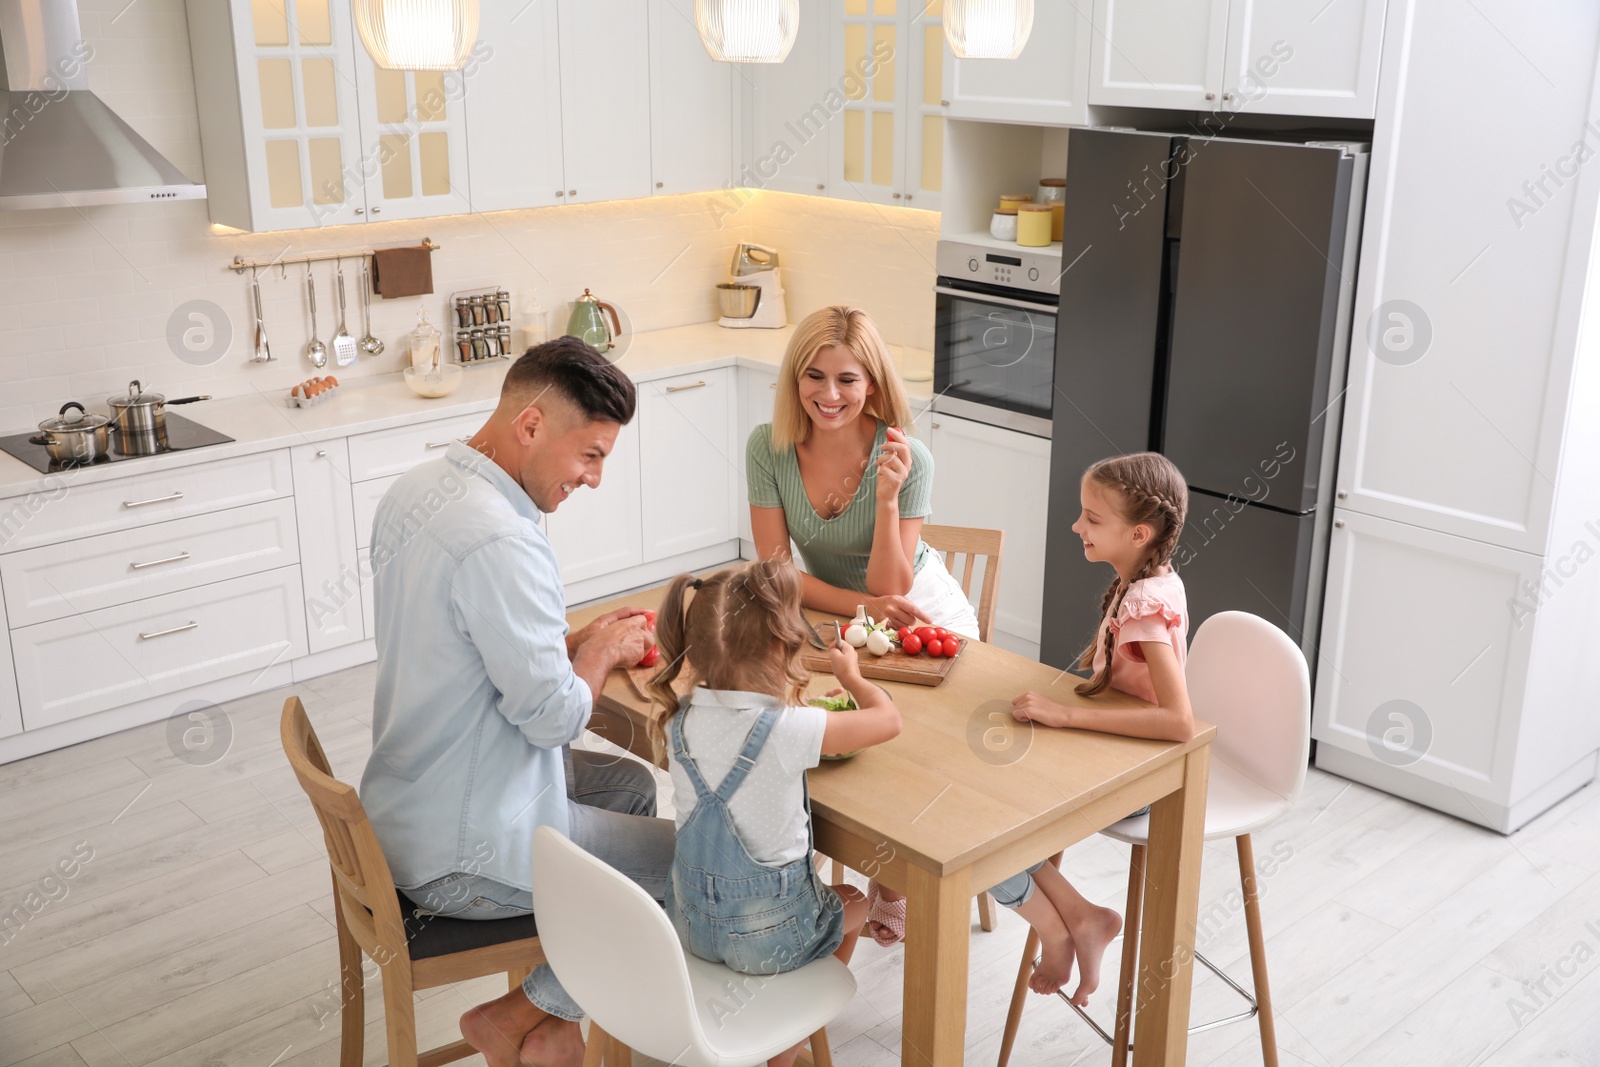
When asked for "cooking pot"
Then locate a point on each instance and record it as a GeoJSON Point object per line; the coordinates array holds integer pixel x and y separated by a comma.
{"type": "Point", "coordinates": [142, 414]}
{"type": "Point", "coordinates": [78, 438]}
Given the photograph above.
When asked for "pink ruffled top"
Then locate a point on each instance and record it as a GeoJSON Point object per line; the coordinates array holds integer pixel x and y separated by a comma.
{"type": "Point", "coordinates": [1155, 609]}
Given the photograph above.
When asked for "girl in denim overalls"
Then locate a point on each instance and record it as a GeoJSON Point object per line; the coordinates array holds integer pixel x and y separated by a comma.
{"type": "Point", "coordinates": [743, 891]}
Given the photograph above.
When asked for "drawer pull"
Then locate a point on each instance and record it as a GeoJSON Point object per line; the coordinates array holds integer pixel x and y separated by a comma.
{"type": "Point", "coordinates": [164, 633]}
{"type": "Point", "coordinates": [153, 500]}
{"type": "Point", "coordinates": [179, 558]}
{"type": "Point", "coordinates": [681, 388]}
{"type": "Point", "coordinates": [439, 444]}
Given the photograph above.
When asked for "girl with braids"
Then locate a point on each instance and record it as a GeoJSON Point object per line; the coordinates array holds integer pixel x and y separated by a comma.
{"type": "Point", "coordinates": [1133, 512]}
{"type": "Point", "coordinates": [742, 889]}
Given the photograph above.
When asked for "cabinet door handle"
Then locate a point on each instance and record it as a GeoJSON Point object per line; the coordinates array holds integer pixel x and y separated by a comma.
{"type": "Point", "coordinates": [661, 185]}
{"type": "Point", "coordinates": [681, 388]}
{"type": "Point", "coordinates": [321, 453]}
{"type": "Point", "coordinates": [439, 444]}
{"type": "Point", "coordinates": [376, 210]}
{"type": "Point", "coordinates": [897, 196]}
{"type": "Point", "coordinates": [1227, 96]}
{"type": "Point", "coordinates": [163, 633]}
{"type": "Point", "coordinates": [1211, 96]}
{"type": "Point", "coordinates": [944, 103]}
{"type": "Point", "coordinates": [560, 192]}
{"type": "Point", "coordinates": [1343, 494]}
{"type": "Point", "coordinates": [936, 426]}
{"type": "Point", "coordinates": [1338, 524]}
{"type": "Point", "coordinates": [153, 500]}
{"type": "Point", "coordinates": [179, 558]}
{"type": "Point", "coordinates": [772, 385]}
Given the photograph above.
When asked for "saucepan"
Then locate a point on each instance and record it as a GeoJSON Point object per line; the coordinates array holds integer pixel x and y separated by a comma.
{"type": "Point", "coordinates": [76, 438]}
{"type": "Point", "coordinates": [140, 419]}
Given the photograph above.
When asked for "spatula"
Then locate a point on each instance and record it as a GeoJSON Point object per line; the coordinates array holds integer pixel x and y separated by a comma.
{"type": "Point", "coordinates": [344, 346]}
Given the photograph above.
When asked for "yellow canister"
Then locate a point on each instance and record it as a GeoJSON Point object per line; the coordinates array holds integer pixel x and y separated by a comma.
{"type": "Point", "coordinates": [1033, 225]}
{"type": "Point", "coordinates": [1009, 201]}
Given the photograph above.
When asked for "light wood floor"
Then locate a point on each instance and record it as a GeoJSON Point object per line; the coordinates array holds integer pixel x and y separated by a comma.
{"type": "Point", "coordinates": [200, 932]}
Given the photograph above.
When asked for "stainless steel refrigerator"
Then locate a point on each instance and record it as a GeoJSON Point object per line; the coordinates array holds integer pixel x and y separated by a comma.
{"type": "Point", "coordinates": [1205, 315]}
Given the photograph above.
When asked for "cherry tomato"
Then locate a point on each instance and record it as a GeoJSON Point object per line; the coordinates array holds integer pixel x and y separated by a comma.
{"type": "Point", "coordinates": [911, 644]}
{"type": "Point", "coordinates": [941, 632]}
{"type": "Point", "coordinates": [903, 633]}
{"type": "Point", "coordinates": [894, 433]}
{"type": "Point", "coordinates": [650, 617]}
{"type": "Point", "coordinates": [935, 648]}
{"type": "Point", "coordinates": [650, 657]}
{"type": "Point", "coordinates": [952, 645]}
{"type": "Point", "coordinates": [926, 633]}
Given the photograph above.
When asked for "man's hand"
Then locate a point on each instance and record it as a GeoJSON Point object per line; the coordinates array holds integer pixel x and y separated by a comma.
{"type": "Point", "coordinates": [620, 643]}
{"type": "Point", "coordinates": [578, 637]}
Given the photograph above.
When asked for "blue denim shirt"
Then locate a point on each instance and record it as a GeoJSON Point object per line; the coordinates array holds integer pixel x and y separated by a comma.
{"type": "Point", "coordinates": [475, 693]}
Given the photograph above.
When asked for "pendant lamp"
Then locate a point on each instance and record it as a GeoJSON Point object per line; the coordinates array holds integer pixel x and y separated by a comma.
{"type": "Point", "coordinates": [987, 29]}
{"type": "Point", "coordinates": [418, 34]}
{"type": "Point", "coordinates": [747, 31]}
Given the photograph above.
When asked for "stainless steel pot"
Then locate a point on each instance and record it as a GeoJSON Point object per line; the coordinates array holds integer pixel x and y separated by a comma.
{"type": "Point", "coordinates": [79, 438]}
{"type": "Point", "coordinates": [142, 415]}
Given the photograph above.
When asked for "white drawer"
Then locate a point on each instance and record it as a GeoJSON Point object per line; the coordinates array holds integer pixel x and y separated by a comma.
{"type": "Point", "coordinates": [387, 452]}
{"type": "Point", "coordinates": [367, 495]}
{"type": "Point", "coordinates": [99, 572]}
{"type": "Point", "coordinates": [104, 659]}
{"type": "Point", "coordinates": [73, 511]}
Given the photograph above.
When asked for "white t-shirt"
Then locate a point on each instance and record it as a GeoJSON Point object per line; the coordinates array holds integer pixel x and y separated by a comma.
{"type": "Point", "coordinates": [768, 810]}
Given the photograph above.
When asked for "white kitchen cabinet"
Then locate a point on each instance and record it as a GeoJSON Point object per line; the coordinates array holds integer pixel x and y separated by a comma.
{"type": "Point", "coordinates": [599, 530]}
{"type": "Point", "coordinates": [384, 453]}
{"type": "Point", "coordinates": [888, 141]}
{"type": "Point", "coordinates": [329, 565]}
{"type": "Point", "coordinates": [688, 464]}
{"type": "Point", "coordinates": [10, 705]}
{"type": "Point", "coordinates": [605, 99]}
{"type": "Point", "coordinates": [1048, 84]}
{"type": "Point", "coordinates": [1272, 57]}
{"type": "Point", "coordinates": [758, 390]}
{"type": "Point", "coordinates": [513, 109]}
{"type": "Point", "coordinates": [997, 479]}
{"type": "Point", "coordinates": [691, 106]}
{"type": "Point", "coordinates": [98, 660]}
{"type": "Point", "coordinates": [792, 107]}
{"type": "Point", "coordinates": [413, 142]}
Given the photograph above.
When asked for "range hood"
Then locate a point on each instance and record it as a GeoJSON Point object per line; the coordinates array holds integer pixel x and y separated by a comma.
{"type": "Point", "coordinates": [60, 145]}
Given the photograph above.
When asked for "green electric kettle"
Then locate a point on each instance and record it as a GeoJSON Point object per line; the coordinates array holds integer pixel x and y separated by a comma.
{"type": "Point", "coordinates": [588, 322]}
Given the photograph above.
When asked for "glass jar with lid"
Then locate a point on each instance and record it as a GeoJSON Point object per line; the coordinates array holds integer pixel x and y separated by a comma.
{"type": "Point", "coordinates": [424, 342]}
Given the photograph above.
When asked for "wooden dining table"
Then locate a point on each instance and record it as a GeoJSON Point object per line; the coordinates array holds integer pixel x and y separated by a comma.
{"type": "Point", "coordinates": [964, 798]}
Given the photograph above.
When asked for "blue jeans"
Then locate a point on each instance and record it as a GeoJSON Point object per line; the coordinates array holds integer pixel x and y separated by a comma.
{"type": "Point", "coordinates": [612, 817]}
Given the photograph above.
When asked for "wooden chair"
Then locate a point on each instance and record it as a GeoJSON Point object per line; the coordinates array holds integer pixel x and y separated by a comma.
{"type": "Point", "coordinates": [954, 542]}
{"type": "Point", "coordinates": [412, 950]}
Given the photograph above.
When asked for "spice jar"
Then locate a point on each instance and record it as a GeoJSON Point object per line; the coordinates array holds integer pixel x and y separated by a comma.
{"type": "Point", "coordinates": [503, 299]}
{"type": "Point", "coordinates": [505, 339]}
{"type": "Point", "coordinates": [463, 314]}
{"type": "Point", "coordinates": [480, 344]}
{"type": "Point", "coordinates": [480, 314]}
{"type": "Point", "coordinates": [463, 346]}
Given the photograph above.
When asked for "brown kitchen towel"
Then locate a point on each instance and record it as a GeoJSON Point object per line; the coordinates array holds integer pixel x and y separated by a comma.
{"type": "Point", "coordinates": [402, 271]}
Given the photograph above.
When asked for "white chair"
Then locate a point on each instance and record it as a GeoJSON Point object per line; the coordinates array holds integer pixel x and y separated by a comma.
{"type": "Point", "coordinates": [617, 954]}
{"type": "Point", "coordinates": [1246, 676]}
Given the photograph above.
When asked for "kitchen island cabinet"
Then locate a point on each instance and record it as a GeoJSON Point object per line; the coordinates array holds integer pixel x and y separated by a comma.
{"type": "Point", "coordinates": [329, 566]}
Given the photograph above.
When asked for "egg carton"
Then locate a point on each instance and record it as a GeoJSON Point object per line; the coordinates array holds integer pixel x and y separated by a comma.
{"type": "Point", "coordinates": [299, 401]}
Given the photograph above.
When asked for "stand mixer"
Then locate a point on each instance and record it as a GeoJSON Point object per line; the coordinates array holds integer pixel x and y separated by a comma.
{"type": "Point", "coordinates": [754, 299]}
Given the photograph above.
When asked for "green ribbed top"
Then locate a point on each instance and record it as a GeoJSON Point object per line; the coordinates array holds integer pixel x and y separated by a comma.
{"type": "Point", "coordinates": [835, 550]}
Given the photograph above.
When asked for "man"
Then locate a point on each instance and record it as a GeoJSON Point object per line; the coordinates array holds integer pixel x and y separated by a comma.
{"type": "Point", "coordinates": [481, 688]}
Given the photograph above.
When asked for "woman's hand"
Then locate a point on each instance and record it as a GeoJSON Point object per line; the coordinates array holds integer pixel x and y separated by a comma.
{"type": "Point", "coordinates": [894, 464]}
{"type": "Point", "coordinates": [894, 609]}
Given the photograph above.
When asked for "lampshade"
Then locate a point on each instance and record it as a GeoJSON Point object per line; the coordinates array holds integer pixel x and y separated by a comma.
{"type": "Point", "coordinates": [418, 34]}
{"type": "Point", "coordinates": [747, 31]}
{"type": "Point", "coordinates": [987, 29]}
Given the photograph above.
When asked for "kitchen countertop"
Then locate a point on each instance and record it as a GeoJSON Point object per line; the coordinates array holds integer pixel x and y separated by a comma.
{"type": "Point", "coordinates": [260, 422]}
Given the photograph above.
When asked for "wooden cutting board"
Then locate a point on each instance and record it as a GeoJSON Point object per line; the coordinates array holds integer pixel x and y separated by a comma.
{"type": "Point", "coordinates": [895, 666]}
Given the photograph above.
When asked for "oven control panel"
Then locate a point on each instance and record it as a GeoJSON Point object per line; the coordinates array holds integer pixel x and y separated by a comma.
{"type": "Point", "coordinates": [1007, 265]}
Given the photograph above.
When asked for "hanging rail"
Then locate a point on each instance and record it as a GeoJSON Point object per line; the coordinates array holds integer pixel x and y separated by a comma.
{"type": "Point", "coordinates": [240, 264]}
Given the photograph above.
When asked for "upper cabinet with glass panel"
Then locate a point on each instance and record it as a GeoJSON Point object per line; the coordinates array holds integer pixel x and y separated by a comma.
{"type": "Point", "coordinates": [298, 129]}
{"type": "Point", "coordinates": [887, 62]}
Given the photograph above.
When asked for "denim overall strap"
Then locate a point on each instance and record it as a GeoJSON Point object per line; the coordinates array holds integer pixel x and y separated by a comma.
{"type": "Point", "coordinates": [681, 754]}
{"type": "Point", "coordinates": [754, 742]}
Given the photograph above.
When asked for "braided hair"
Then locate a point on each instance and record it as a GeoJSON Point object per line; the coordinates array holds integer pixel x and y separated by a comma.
{"type": "Point", "coordinates": [1151, 492]}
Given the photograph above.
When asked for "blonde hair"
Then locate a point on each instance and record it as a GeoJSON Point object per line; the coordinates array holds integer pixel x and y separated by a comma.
{"type": "Point", "coordinates": [1149, 490]}
{"type": "Point", "coordinates": [741, 628]}
{"type": "Point", "coordinates": [853, 329]}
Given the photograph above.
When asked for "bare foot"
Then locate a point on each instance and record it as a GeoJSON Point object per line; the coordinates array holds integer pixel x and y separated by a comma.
{"type": "Point", "coordinates": [1055, 965]}
{"type": "Point", "coordinates": [1090, 939]}
{"type": "Point", "coordinates": [495, 1031]}
{"type": "Point", "coordinates": [554, 1043]}
{"type": "Point", "coordinates": [786, 1059]}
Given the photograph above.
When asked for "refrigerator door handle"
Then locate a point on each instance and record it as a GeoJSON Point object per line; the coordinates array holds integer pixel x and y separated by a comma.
{"type": "Point", "coordinates": [986, 298]}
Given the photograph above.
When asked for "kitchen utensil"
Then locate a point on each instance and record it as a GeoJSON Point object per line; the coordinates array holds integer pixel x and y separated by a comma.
{"type": "Point", "coordinates": [1003, 226]}
{"type": "Point", "coordinates": [263, 352]}
{"type": "Point", "coordinates": [369, 345]}
{"type": "Point", "coordinates": [891, 667]}
{"type": "Point", "coordinates": [316, 351]}
{"type": "Point", "coordinates": [78, 438]}
{"type": "Point", "coordinates": [737, 301]}
{"type": "Point", "coordinates": [816, 638]}
{"type": "Point", "coordinates": [344, 346]}
{"type": "Point", "coordinates": [588, 322]}
{"type": "Point", "coordinates": [142, 412]}
{"type": "Point", "coordinates": [1033, 225]}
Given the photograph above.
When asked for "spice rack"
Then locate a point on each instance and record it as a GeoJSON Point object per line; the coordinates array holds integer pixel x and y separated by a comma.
{"type": "Point", "coordinates": [482, 319]}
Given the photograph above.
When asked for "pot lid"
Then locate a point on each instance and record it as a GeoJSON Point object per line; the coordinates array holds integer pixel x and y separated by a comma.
{"type": "Point", "coordinates": [78, 421]}
{"type": "Point", "coordinates": [136, 398]}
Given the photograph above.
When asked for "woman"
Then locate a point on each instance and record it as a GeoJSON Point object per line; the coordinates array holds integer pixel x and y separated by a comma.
{"type": "Point", "coordinates": [835, 473]}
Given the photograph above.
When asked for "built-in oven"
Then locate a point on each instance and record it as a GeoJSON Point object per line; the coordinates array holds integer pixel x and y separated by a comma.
{"type": "Point", "coordinates": [994, 339]}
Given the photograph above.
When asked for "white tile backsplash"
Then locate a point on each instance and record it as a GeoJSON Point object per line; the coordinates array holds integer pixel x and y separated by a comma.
{"type": "Point", "coordinates": [86, 295]}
